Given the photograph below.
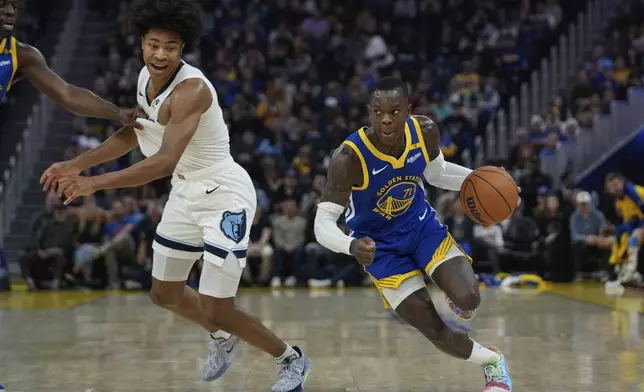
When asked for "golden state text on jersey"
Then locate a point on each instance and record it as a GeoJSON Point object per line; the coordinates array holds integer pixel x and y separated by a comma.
{"type": "Point", "coordinates": [396, 196]}
{"type": "Point", "coordinates": [391, 198]}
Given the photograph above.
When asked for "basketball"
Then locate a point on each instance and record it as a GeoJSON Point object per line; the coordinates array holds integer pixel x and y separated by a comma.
{"type": "Point", "coordinates": [489, 195]}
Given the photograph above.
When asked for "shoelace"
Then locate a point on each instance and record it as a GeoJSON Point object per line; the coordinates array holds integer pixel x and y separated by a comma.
{"type": "Point", "coordinates": [494, 372]}
{"type": "Point", "coordinates": [287, 368]}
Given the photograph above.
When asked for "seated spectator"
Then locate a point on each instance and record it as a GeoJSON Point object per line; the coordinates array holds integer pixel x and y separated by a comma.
{"type": "Point", "coordinates": [461, 227]}
{"type": "Point", "coordinates": [555, 160]}
{"type": "Point", "coordinates": [521, 245]}
{"type": "Point", "coordinates": [90, 222]}
{"type": "Point", "coordinates": [532, 182]}
{"type": "Point", "coordinates": [537, 133]}
{"type": "Point", "coordinates": [259, 249]}
{"type": "Point", "coordinates": [119, 247]}
{"type": "Point", "coordinates": [45, 267]}
{"type": "Point", "coordinates": [554, 235]}
{"type": "Point", "coordinates": [522, 152]}
{"type": "Point", "coordinates": [289, 189]}
{"type": "Point", "coordinates": [318, 265]}
{"type": "Point", "coordinates": [137, 275]}
{"type": "Point", "coordinates": [586, 226]}
{"type": "Point", "coordinates": [488, 244]}
{"type": "Point", "coordinates": [340, 269]}
{"type": "Point", "coordinates": [466, 82]}
{"type": "Point", "coordinates": [41, 220]}
{"type": "Point", "coordinates": [288, 230]}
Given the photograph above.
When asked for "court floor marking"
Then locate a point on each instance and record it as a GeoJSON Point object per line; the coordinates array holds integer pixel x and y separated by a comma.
{"type": "Point", "coordinates": [593, 293]}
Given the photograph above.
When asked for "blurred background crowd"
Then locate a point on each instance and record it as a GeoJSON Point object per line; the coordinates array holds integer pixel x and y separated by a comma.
{"type": "Point", "coordinates": [293, 77]}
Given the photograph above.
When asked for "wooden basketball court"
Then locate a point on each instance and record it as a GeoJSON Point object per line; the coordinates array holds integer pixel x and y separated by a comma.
{"type": "Point", "coordinates": [570, 338]}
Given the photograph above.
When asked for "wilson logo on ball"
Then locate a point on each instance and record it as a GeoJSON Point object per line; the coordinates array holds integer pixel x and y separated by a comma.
{"type": "Point", "coordinates": [472, 207]}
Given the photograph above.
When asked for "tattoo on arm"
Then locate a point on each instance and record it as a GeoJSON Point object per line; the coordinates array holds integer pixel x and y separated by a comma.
{"type": "Point", "coordinates": [431, 134]}
{"type": "Point", "coordinates": [344, 172]}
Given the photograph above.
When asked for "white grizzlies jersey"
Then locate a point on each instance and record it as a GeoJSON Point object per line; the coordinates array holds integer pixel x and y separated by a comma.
{"type": "Point", "coordinates": [209, 145]}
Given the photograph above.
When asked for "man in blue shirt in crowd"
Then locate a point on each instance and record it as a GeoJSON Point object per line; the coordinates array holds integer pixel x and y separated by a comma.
{"type": "Point", "coordinates": [586, 224]}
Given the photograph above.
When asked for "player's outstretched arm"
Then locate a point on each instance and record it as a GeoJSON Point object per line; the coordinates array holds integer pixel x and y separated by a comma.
{"type": "Point", "coordinates": [439, 173]}
{"type": "Point", "coordinates": [190, 100]}
{"type": "Point", "coordinates": [117, 145]}
{"type": "Point", "coordinates": [344, 172]}
{"type": "Point", "coordinates": [77, 100]}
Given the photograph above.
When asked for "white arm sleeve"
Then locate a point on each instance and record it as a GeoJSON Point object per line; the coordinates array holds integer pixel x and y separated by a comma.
{"type": "Point", "coordinates": [445, 175]}
{"type": "Point", "coordinates": [326, 228]}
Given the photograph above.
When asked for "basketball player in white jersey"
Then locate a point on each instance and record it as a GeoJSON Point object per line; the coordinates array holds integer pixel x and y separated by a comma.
{"type": "Point", "coordinates": [212, 197]}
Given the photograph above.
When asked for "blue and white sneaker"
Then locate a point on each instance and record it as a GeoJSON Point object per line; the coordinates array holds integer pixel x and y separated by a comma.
{"type": "Point", "coordinates": [462, 314]}
{"type": "Point", "coordinates": [497, 376]}
{"type": "Point", "coordinates": [222, 354]}
{"type": "Point", "coordinates": [293, 373]}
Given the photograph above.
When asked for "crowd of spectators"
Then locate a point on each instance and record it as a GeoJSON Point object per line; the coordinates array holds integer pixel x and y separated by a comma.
{"type": "Point", "coordinates": [292, 79]}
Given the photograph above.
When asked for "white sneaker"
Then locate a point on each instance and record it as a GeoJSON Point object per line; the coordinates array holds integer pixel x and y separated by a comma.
{"type": "Point", "coordinates": [340, 284]}
{"type": "Point", "coordinates": [276, 282]}
{"type": "Point", "coordinates": [221, 356]}
{"type": "Point", "coordinates": [319, 283]}
{"type": "Point", "coordinates": [613, 287]}
{"type": "Point", "coordinates": [290, 281]}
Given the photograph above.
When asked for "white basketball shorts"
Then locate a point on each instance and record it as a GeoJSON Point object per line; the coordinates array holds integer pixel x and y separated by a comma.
{"type": "Point", "coordinates": [208, 212]}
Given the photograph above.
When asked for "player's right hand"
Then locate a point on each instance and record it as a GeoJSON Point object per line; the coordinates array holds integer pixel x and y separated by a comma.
{"type": "Point", "coordinates": [129, 116]}
{"type": "Point", "coordinates": [56, 172]}
{"type": "Point", "coordinates": [364, 250]}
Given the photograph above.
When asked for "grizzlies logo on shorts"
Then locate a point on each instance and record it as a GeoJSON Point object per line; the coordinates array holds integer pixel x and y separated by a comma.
{"type": "Point", "coordinates": [233, 225]}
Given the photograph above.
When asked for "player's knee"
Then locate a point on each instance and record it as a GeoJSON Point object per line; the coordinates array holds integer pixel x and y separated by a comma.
{"type": "Point", "coordinates": [164, 299]}
{"type": "Point", "coordinates": [467, 299]}
{"type": "Point", "coordinates": [219, 312]}
{"type": "Point", "coordinates": [267, 251]}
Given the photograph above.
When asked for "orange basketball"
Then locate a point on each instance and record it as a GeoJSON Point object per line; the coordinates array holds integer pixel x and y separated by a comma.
{"type": "Point", "coordinates": [489, 195]}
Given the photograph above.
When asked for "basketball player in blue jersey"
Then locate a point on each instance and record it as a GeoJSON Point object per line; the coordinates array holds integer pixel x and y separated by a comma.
{"type": "Point", "coordinates": [376, 175]}
{"type": "Point", "coordinates": [19, 60]}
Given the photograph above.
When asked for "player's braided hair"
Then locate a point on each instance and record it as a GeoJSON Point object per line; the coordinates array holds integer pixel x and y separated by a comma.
{"type": "Point", "coordinates": [179, 16]}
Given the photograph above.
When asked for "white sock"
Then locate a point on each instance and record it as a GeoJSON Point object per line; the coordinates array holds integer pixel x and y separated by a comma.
{"type": "Point", "coordinates": [481, 355]}
{"type": "Point", "coordinates": [289, 352]}
{"type": "Point", "coordinates": [220, 335]}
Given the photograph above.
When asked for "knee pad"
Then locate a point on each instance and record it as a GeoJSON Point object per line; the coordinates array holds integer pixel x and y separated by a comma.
{"type": "Point", "coordinates": [170, 269]}
{"type": "Point", "coordinates": [221, 281]}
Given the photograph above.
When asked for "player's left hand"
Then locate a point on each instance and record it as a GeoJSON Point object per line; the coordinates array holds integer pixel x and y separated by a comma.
{"type": "Point", "coordinates": [74, 187]}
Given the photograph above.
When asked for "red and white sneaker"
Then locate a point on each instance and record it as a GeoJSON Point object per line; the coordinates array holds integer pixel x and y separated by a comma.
{"type": "Point", "coordinates": [497, 376]}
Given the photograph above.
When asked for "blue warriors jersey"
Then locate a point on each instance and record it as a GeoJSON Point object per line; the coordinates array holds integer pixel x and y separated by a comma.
{"type": "Point", "coordinates": [630, 207]}
{"type": "Point", "coordinates": [391, 198]}
{"type": "Point", "coordinates": [8, 63]}
{"type": "Point", "coordinates": [390, 208]}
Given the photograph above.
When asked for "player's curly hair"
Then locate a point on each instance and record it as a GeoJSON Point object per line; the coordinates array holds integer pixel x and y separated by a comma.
{"type": "Point", "coordinates": [179, 16]}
